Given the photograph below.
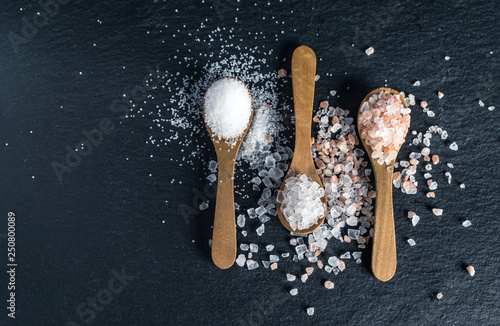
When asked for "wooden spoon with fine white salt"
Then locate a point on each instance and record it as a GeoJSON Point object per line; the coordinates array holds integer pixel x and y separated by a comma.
{"type": "Point", "coordinates": [228, 112]}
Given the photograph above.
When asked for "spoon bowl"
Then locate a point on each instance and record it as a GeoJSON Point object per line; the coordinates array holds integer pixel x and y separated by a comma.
{"type": "Point", "coordinates": [224, 231]}
{"type": "Point", "coordinates": [303, 80]}
{"type": "Point", "coordinates": [384, 258]}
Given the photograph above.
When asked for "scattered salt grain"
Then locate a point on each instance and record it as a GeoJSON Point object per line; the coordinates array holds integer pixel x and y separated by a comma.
{"type": "Point", "coordinates": [254, 247]}
{"type": "Point", "coordinates": [491, 108]}
{"type": "Point", "coordinates": [466, 223]}
{"type": "Point", "coordinates": [294, 291]}
{"type": "Point", "coordinates": [440, 95]}
{"type": "Point", "coordinates": [333, 92]}
{"type": "Point", "coordinates": [329, 285]}
{"type": "Point", "coordinates": [346, 255]}
{"type": "Point", "coordinates": [211, 178]}
{"type": "Point", "coordinates": [439, 296]}
{"type": "Point", "coordinates": [252, 264]}
{"type": "Point", "coordinates": [203, 205]}
{"type": "Point", "coordinates": [244, 247]}
{"type": "Point", "coordinates": [454, 146]}
{"type": "Point", "coordinates": [411, 242]}
{"type": "Point", "coordinates": [290, 277]}
{"type": "Point", "coordinates": [417, 83]}
{"type": "Point", "coordinates": [369, 51]}
{"type": "Point", "coordinates": [241, 260]}
{"type": "Point", "coordinates": [471, 270]}
{"type": "Point", "coordinates": [462, 185]}
{"type": "Point", "coordinates": [241, 220]}
{"type": "Point", "coordinates": [282, 73]}
{"type": "Point", "coordinates": [227, 108]}
{"type": "Point", "coordinates": [447, 58]}
{"type": "Point", "coordinates": [423, 104]}
{"type": "Point", "coordinates": [260, 230]}
{"type": "Point", "coordinates": [269, 247]}
{"type": "Point", "coordinates": [415, 219]}
{"type": "Point", "coordinates": [437, 211]}
{"type": "Point", "coordinates": [481, 103]}
{"type": "Point", "coordinates": [304, 278]}
{"type": "Point", "coordinates": [274, 266]}
{"type": "Point", "coordinates": [450, 165]}
{"type": "Point", "coordinates": [310, 311]}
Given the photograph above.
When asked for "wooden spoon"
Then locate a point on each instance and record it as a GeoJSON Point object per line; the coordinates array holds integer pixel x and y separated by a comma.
{"type": "Point", "coordinates": [384, 239]}
{"type": "Point", "coordinates": [224, 234]}
{"type": "Point", "coordinates": [303, 79]}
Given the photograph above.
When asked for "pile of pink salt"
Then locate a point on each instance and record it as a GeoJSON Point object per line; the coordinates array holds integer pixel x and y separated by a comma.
{"type": "Point", "coordinates": [384, 121]}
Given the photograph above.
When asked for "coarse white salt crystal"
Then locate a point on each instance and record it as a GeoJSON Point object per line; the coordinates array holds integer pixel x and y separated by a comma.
{"type": "Point", "coordinates": [260, 230]}
{"type": "Point", "coordinates": [333, 261]}
{"type": "Point", "coordinates": [211, 178]}
{"type": "Point", "coordinates": [212, 166]}
{"type": "Point", "coordinates": [254, 247]}
{"type": "Point", "coordinates": [439, 296]}
{"type": "Point", "coordinates": [462, 185]}
{"type": "Point", "coordinates": [437, 211]}
{"type": "Point", "coordinates": [370, 50]}
{"type": "Point", "coordinates": [244, 247]}
{"type": "Point", "coordinates": [454, 146]}
{"type": "Point", "coordinates": [274, 258]}
{"type": "Point", "coordinates": [333, 92]}
{"type": "Point", "coordinates": [290, 277]}
{"type": "Point", "coordinates": [227, 107]}
{"type": "Point", "coordinates": [346, 255]}
{"type": "Point", "coordinates": [304, 278]}
{"type": "Point", "coordinates": [294, 291]}
{"type": "Point", "coordinates": [310, 311]}
{"type": "Point", "coordinates": [252, 264]}
{"type": "Point", "coordinates": [440, 95]}
{"type": "Point", "coordinates": [481, 103]}
{"type": "Point", "coordinates": [241, 260]}
{"type": "Point", "coordinates": [356, 254]}
{"type": "Point", "coordinates": [241, 220]}
{"type": "Point", "coordinates": [203, 205]}
{"type": "Point", "coordinates": [491, 108]}
{"type": "Point", "coordinates": [425, 151]}
{"type": "Point", "coordinates": [269, 247]}
{"type": "Point", "coordinates": [411, 242]}
{"type": "Point", "coordinates": [302, 205]}
{"type": "Point", "coordinates": [471, 270]}
{"type": "Point", "coordinates": [415, 219]}
{"type": "Point", "coordinates": [450, 165]}
{"type": "Point", "coordinates": [466, 223]}
{"type": "Point", "coordinates": [417, 83]}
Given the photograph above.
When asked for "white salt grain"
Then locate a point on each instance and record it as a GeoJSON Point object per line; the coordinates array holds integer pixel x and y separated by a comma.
{"type": "Point", "coordinates": [241, 220]}
{"type": "Point", "coordinates": [411, 242]}
{"type": "Point", "coordinates": [290, 277]}
{"type": "Point", "coordinates": [241, 260]}
{"type": "Point", "coordinates": [439, 296]}
{"type": "Point", "coordinates": [454, 146]}
{"type": "Point", "coordinates": [254, 247]}
{"type": "Point", "coordinates": [481, 103]}
{"type": "Point", "coordinates": [310, 311]}
{"type": "Point", "coordinates": [252, 264]}
{"type": "Point", "coordinates": [462, 186]}
{"type": "Point", "coordinates": [370, 50]}
{"type": "Point", "coordinates": [227, 108]}
{"type": "Point", "coordinates": [466, 223]}
{"type": "Point", "coordinates": [269, 247]}
{"type": "Point", "coordinates": [437, 211]}
{"type": "Point", "coordinates": [491, 108]}
{"type": "Point", "coordinates": [294, 291]}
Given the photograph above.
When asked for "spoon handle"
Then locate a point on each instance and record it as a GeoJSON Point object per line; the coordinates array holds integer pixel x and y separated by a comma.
{"type": "Point", "coordinates": [384, 238]}
{"type": "Point", "coordinates": [303, 80]}
{"type": "Point", "coordinates": [224, 234]}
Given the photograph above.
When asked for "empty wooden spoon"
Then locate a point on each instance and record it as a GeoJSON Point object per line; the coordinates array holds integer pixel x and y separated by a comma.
{"type": "Point", "coordinates": [384, 239]}
{"type": "Point", "coordinates": [303, 79]}
{"type": "Point", "coordinates": [224, 233]}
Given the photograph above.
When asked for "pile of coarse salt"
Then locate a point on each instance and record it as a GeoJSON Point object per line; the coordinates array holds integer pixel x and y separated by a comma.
{"type": "Point", "coordinates": [384, 122]}
{"type": "Point", "coordinates": [227, 108]}
{"type": "Point", "coordinates": [301, 201]}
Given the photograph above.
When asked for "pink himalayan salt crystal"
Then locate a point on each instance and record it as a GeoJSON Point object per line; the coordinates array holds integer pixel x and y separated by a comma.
{"type": "Point", "coordinates": [471, 270]}
{"type": "Point", "coordinates": [282, 73]}
{"type": "Point", "coordinates": [329, 285]}
{"type": "Point", "coordinates": [324, 105]}
{"type": "Point", "coordinates": [384, 122]}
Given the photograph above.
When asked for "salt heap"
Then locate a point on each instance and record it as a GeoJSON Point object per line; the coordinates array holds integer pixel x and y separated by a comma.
{"type": "Point", "coordinates": [301, 202]}
{"type": "Point", "coordinates": [384, 122]}
{"type": "Point", "coordinates": [227, 108]}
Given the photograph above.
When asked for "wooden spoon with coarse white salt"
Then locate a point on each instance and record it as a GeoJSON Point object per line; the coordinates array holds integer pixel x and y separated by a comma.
{"type": "Point", "coordinates": [228, 112]}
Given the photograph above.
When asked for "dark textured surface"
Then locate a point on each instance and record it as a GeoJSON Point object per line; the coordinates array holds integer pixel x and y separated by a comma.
{"type": "Point", "coordinates": [107, 214]}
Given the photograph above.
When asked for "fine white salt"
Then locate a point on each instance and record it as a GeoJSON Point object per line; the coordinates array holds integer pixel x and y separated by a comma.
{"type": "Point", "coordinates": [227, 108]}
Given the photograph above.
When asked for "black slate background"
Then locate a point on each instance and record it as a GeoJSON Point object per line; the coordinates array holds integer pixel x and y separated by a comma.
{"type": "Point", "coordinates": [107, 214]}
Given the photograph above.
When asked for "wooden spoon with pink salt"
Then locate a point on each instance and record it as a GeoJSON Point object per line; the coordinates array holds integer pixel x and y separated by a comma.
{"type": "Point", "coordinates": [383, 121]}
